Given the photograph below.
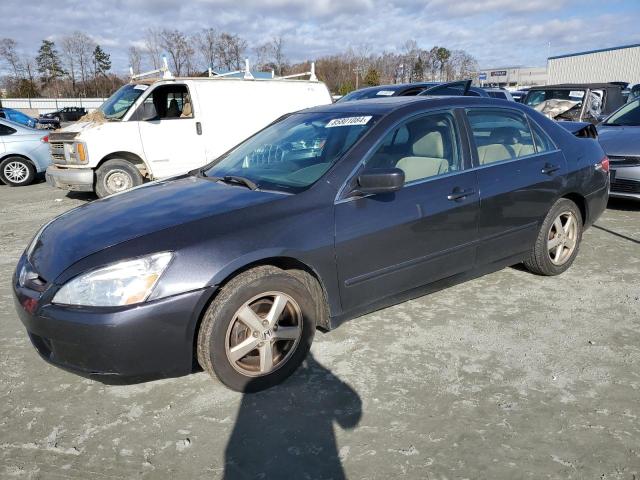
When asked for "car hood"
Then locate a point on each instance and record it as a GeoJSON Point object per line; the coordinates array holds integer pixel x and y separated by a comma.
{"type": "Point", "coordinates": [619, 141]}
{"type": "Point", "coordinates": [104, 223]}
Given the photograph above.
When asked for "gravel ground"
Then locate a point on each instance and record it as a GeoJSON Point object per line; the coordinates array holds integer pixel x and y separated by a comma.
{"type": "Point", "coordinates": [507, 376]}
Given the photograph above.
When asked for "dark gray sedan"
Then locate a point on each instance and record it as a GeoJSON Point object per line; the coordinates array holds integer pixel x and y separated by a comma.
{"type": "Point", "coordinates": [619, 136]}
{"type": "Point", "coordinates": [323, 216]}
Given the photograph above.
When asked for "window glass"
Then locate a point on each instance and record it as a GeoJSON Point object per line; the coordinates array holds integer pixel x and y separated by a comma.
{"type": "Point", "coordinates": [6, 130]}
{"type": "Point", "coordinates": [292, 154]}
{"type": "Point", "coordinates": [422, 147]}
{"type": "Point", "coordinates": [541, 139]}
{"type": "Point", "coordinates": [628, 116]}
{"type": "Point", "coordinates": [167, 102]}
{"type": "Point", "coordinates": [500, 135]}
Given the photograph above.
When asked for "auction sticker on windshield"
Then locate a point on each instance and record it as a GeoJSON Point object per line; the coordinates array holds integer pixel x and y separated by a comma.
{"type": "Point", "coordinates": [141, 87]}
{"type": "Point", "coordinates": [348, 121]}
{"type": "Point", "coordinates": [385, 93]}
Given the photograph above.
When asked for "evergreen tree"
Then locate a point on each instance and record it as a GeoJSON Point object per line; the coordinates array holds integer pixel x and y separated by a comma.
{"type": "Point", "coordinates": [372, 78]}
{"type": "Point", "coordinates": [101, 61]}
{"type": "Point", "coordinates": [48, 61]}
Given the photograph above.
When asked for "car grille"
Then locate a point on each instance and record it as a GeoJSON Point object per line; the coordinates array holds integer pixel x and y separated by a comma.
{"type": "Point", "coordinates": [57, 152]}
{"type": "Point", "coordinates": [624, 161]}
{"type": "Point", "coordinates": [625, 186]}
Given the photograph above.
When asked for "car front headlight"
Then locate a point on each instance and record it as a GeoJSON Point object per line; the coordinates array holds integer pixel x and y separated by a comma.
{"type": "Point", "coordinates": [123, 283]}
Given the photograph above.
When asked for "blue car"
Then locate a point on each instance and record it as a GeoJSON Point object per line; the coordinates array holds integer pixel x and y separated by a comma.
{"type": "Point", "coordinates": [619, 136]}
{"type": "Point", "coordinates": [17, 116]}
{"type": "Point", "coordinates": [24, 152]}
{"type": "Point", "coordinates": [324, 215]}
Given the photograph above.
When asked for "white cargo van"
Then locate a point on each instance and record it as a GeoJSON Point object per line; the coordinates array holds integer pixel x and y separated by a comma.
{"type": "Point", "coordinates": [152, 129]}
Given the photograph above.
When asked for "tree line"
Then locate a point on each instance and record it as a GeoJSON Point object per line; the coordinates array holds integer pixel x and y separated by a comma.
{"type": "Point", "coordinates": [78, 66]}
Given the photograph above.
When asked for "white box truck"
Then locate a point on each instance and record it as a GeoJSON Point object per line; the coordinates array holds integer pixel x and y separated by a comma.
{"type": "Point", "coordinates": [156, 128]}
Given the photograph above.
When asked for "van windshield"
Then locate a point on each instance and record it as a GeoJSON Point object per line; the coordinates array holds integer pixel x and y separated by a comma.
{"type": "Point", "coordinates": [117, 104]}
{"type": "Point", "coordinates": [294, 153]}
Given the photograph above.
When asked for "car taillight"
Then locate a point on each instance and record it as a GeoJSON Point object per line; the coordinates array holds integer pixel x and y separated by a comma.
{"type": "Point", "coordinates": [45, 139]}
{"type": "Point", "coordinates": [603, 164]}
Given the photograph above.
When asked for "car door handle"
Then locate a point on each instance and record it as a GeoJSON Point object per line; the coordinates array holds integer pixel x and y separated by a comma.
{"type": "Point", "coordinates": [548, 168]}
{"type": "Point", "coordinates": [198, 128]}
{"type": "Point", "coordinates": [459, 194]}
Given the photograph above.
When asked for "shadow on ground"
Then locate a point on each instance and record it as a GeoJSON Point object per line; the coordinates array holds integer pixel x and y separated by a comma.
{"type": "Point", "coordinates": [288, 431]}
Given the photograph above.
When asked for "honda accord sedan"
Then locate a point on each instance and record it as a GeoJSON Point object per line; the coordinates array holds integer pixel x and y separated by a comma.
{"type": "Point", "coordinates": [323, 216]}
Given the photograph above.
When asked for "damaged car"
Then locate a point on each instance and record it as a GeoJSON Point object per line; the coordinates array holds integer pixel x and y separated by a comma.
{"type": "Point", "coordinates": [577, 102]}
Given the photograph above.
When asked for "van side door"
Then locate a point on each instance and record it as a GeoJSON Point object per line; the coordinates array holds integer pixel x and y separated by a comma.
{"type": "Point", "coordinates": [170, 130]}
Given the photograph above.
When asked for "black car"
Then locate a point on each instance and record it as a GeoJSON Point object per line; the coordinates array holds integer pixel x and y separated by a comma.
{"type": "Point", "coordinates": [323, 216]}
{"type": "Point", "coordinates": [66, 114]}
{"type": "Point", "coordinates": [385, 91]}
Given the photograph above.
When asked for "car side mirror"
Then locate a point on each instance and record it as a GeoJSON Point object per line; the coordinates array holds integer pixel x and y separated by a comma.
{"type": "Point", "coordinates": [380, 180]}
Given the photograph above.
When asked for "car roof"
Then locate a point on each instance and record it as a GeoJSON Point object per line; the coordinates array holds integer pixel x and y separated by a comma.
{"type": "Point", "coordinates": [396, 86]}
{"type": "Point", "coordinates": [385, 106]}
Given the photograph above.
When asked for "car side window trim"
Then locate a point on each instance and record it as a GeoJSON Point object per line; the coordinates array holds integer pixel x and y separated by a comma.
{"type": "Point", "coordinates": [532, 124]}
{"type": "Point", "coordinates": [463, 152]}
{"type": "Point", "coordinates": [474, 148]}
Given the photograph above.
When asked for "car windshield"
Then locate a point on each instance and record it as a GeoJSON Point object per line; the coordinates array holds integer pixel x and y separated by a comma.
{"type": "Point", "coordinates": [19, 117]}
{"type": "Point", "coordinates": [117, 104]}
{"type": "Point", "coordinates": [627, 116]}
{"type": "Point", "coordinates": [292, 154]}
{"type": "Point", "coordinates": [536, 97]}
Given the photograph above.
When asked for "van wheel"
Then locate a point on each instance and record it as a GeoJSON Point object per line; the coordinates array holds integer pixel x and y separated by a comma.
{"type": "Point", "coordinates": [558, 240]}
{"type": "Point", "coordinates": [17, 171]}
{"type": "Point", "coordinates": [115, 176]}
{"type": "Point", "coordinates": [258, 330]}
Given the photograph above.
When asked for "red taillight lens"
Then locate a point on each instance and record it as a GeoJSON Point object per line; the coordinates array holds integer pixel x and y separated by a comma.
{"type": "Point", "coordinates": [603, 165]}
{"type": "Point", "coordinates": [45, 139]}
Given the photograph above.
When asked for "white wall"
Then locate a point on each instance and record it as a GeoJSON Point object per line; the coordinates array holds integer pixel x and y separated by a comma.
{"type": "Point", "coordinates": [46, 105]}
{"type": "Point", "coordinates": [607, 66]}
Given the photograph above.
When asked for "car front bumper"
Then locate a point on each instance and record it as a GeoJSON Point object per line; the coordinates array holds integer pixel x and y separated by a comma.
{"type": "Point", "coordinates": [625, 182]}
{"type": "Point", "coordinates": [75, 179]}
{"type": "Point", "coordinates": [115, 344]}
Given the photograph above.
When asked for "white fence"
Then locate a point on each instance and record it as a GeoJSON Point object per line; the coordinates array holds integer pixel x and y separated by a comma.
{"type": "Point", "coordinates": [46, 105]}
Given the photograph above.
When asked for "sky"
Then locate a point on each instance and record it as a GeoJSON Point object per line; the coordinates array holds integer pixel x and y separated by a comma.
{"type": "Point", "coordinates": [496, 32]}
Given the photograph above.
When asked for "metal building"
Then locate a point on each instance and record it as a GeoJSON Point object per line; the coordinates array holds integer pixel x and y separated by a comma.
{"type": "Point", "coordinates": [514, 76]}
{"type": "Point", "coordinates": [605, 65]}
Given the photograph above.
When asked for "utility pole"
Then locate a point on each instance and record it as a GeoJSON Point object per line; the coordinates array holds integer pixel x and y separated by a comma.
{"type": "Point", "coordinates": [357, 71]}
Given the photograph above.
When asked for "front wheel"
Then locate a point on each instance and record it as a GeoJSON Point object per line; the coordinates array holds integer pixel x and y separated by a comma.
{"type": "Point", "coordinates": [258, 330]}
{"type": "Point", "coordinates": [115, 176]}
{"type": "Point", "coordinates": [558, 240]}
{"type": "Point", "coordinates": [16, 171]}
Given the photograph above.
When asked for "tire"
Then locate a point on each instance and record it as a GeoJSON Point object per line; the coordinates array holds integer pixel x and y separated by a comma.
{"type": "Point", "coordinates": [554, 253]}
{"type": "Point", "coordinates": [17, 171]}
{"type": "Point", "coordinates": [222, 330]}
{"type": "Point", "coordinates": [115, 176]}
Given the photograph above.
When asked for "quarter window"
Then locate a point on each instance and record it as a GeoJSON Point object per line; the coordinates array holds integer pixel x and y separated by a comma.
{"type": "Point", "coordinates": [500, 135]}
{"type": "Point", "coordinates": [541, 139]}
{"type": "Point", "coordinates": [5, 130]}
{"type": "Point", "coordinates": [423, 147]}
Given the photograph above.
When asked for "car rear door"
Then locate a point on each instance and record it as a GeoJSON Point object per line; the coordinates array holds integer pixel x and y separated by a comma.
{"type": "Point", "coordinates": [394, 242]}
{"type": "Point", "coordinates": [520, 173]}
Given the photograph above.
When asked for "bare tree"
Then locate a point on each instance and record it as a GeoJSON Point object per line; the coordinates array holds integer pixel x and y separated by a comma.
{"type": "Point", "coordinates": [153, 47]}
{"type": "Point", "coordinates": [180, 51]}
{"type": "Point", "coordinates": [78, 49]}
{"type": "Point", "coordinates": [207, 45]}
{"type": "Point", "coordinates": [9, 53]}
{"type": "Point", "coordinates": [230, 51]}
{"type": "Point", "coordinates": [135, 59]}
{"type": "Point", "coordinates": [68, 53]}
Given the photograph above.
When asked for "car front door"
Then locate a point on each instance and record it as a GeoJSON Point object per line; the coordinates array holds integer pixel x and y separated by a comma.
{"type": "Point", "coordinates": [170, 131]}
{"type": "Point", "coordinates": [520, 172]}
{"type": "Point", "coordinates": [390, 243]}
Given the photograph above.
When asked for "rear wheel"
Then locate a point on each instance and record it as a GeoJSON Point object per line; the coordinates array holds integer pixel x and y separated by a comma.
{"type": "Point", "coordinates": [115, 176]}
{"type": "Point", "coordinates": [558, 240]}
{"type": "Point", "coordinates": [258, 329]}
{"type": "Point", "coordinates": [17, 171]}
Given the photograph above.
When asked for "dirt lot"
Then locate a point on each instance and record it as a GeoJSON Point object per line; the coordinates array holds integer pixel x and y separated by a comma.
{"type": "Point", "coordinates": [507, 376]}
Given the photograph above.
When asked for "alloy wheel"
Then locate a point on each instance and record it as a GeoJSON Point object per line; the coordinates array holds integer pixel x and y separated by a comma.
{"type": "Point", "coordinates": [562, 238]}
{"type": "Point", "coordinates": [263, 334]}
{"type": "Point", "coordinates": [16, 172]}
